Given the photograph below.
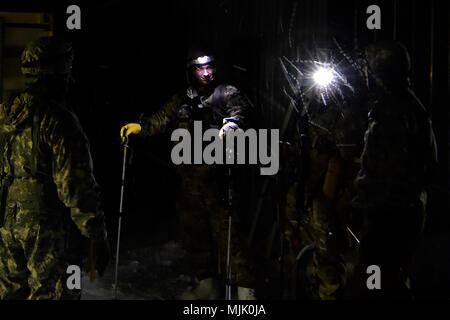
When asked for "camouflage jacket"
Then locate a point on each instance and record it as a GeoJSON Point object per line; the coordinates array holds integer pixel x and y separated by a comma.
{"type": "Point", "coordinates": [335, 131]}
{"type": "Point", "coordinates": [46, 166]}
{"type": "Point", "coordinates": [224, 102]}
{"type": "Point", "coordinates": [399, 152]}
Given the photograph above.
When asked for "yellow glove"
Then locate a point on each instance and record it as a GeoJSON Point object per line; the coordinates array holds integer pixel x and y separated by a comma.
{"type": "Point", "coordinates": [130, 128]}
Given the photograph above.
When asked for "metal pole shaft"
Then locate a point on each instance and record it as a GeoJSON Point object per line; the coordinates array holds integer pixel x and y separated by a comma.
{"type": "Point", "coordinates": [229, 274]}
{"type": "Point", "coordinates": [120, 216]}
{"type": "Point", "coordinates": [228, 285]}
{"type": "Point", "coordinates": [117, 258]}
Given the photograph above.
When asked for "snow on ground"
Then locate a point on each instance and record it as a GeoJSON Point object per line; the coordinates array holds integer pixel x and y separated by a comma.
{"type": "Point", "coordinates": [152, 272]}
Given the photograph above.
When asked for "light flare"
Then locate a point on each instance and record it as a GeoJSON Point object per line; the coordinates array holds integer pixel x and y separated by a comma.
{"type": "Point", "coordinates": [323, 77]}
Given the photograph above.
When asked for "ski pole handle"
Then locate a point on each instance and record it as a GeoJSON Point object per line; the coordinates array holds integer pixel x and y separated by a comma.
{"type": "Point", "coordinates": [125, 141]}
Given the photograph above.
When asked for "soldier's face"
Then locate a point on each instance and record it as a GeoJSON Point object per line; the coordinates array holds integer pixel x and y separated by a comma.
{"type": "Point", "coordinates": [204, 74]}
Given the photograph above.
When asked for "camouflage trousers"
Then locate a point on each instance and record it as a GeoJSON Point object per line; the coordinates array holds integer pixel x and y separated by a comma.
{"type": "Point", "coordinates": [32, 259]}
{"type": "Point", "coordinates": [203, 223]}
{"type": "Point", "coordinates": [319, 228]}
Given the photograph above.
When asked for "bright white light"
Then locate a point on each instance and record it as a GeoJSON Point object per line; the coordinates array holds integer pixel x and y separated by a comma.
{"type": "Point", "coordinates": [323, 77]}
{"type": "Point", "coordinates": [202, 60]}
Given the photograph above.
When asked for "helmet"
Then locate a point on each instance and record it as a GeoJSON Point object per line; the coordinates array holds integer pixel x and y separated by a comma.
{"type": "Point", "coordinates": [389, 61]}
{"type": "Point", "coordinates": [47, 56]}
{"type": "Point", "coordinates": [196, 58]}
{"type": "Point", "coordinates": [200, 60]}
{"type": "Point", "coordinates": [199, 55]}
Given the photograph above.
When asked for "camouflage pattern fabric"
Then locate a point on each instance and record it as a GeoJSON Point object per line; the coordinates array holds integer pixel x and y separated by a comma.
{"type": "Point", "coordinates": [225, 101]}
{"type": "Point", "coordinates": [200, 202]}
{"type": "Point", "coordinates": [44, 186]}
{"type": "Point", "coordinates": [399, 152]}
{"type": "Point", "coordinates": [336, 136]}
{"type": "Point", "coordinates": [203, 219]}
{"type": "Point", "coordinates": [47, 55]}
{"type": "Point", "coordinates": [397, 163]}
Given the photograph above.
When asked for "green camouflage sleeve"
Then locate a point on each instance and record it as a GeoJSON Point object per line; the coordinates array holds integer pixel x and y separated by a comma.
{"type": "Point", "coordinates": [159, 121]}
{"type": "Point", "coordinates": [387, 160]}
{"type": "Point", "coordinates": [231, 104]}
{"type": "Point", "coordinates": [73, 171]}
{"type": "Point", "coordinates": [237, 105]}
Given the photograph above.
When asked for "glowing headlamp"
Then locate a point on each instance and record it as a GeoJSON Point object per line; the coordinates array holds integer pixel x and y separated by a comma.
{"type": "Point", "coordinates": [201, 60]}
{"type": "Point", "coordinates": [323, 77]}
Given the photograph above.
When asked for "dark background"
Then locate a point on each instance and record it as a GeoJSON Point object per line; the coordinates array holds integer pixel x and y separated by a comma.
{"type": "Point", "coordinates": [130, 58]}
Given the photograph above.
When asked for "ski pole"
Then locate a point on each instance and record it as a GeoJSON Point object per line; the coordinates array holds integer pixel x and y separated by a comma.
{"type": "Point", "coordinates": [229, 274]}
{"type": "Point", "coordinates": [125, 147]}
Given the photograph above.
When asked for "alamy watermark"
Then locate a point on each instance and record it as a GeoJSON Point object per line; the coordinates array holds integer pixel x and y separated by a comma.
{"type": "Point", "coordinates": [374, 280]}
{"type": "Point", "coordinates": [373, 22]}
{"type": "Point", "coordinates": [74, 20]}
{"type": "Point", "coordinates": [234, 151]}
{"type": "Point", "coordinates": [74, 279]}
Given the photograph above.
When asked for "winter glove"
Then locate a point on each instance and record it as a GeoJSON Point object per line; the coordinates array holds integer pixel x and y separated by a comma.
{"type": "Point", "coordinates": [130, 128]}
{"type": "Point", "coordinates": [227, 125]}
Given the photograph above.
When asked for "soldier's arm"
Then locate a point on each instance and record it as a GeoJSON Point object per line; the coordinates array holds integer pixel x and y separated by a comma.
{"type": "Point", "coordinates": [237, 106]}
{"type": "Point", "coordinates": [73, 171]}
{"type": "Point", "coordinates": [386, 153]}
{"type": "Point", "coordinates": [381, 160]}
{"type": "Point", "coordinates": [158, 122]}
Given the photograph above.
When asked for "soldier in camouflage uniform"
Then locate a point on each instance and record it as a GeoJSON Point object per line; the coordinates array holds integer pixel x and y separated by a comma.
{"type": "Point", "coordinates": [333, 162]}
{"type": "Point", "coordinates": [397, 162]}
{"type": "Point", "coordinates": [329, 141]}
{"type": "Point", "coordinates": [201, 201]}
{"type": "Point", "coordinates": [47, 182]}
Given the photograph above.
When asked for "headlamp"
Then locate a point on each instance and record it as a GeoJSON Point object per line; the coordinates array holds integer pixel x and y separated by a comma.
{"type": "Point", "coordinates": [323, 77]}
{"type": "Point", "coordinates": [201, 60]}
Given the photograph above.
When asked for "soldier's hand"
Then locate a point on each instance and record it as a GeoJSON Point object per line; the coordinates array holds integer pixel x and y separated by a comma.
{"type": "Point", "coordinates": [227, 127]}
{"type": "Point", "coordinates": [102, 255]}
{"type": "Point", "coordinates": [130, 128]}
